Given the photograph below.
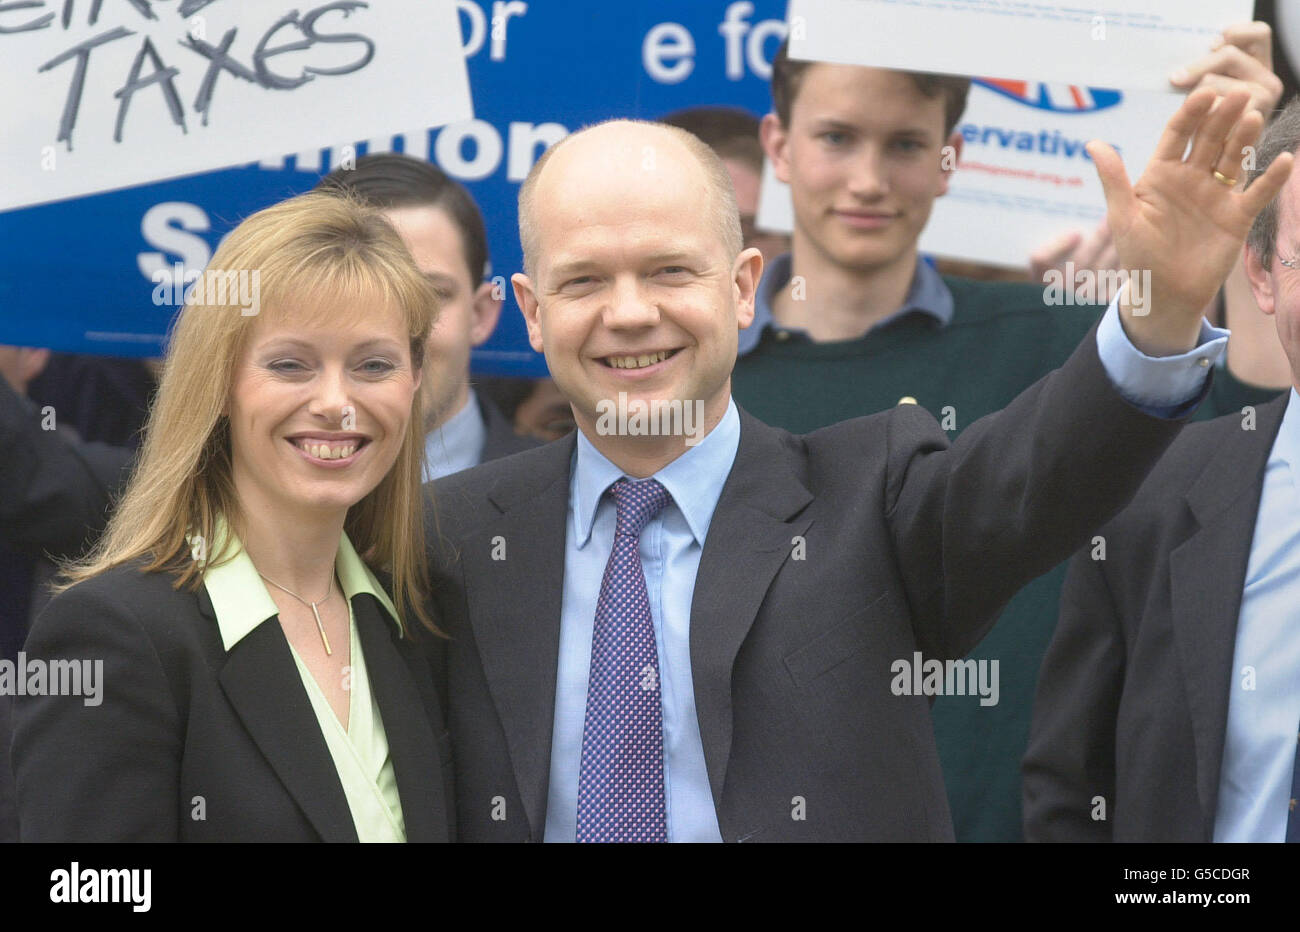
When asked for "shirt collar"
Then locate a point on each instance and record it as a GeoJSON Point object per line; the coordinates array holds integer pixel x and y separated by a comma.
{"type": "Point", "coordinates": [694, 480]}
{"type": "Point", "coordinates": [1286, 445]}
{"type": "Point", "coordinates": [928, 295]}
{"type": "Point", "coordinates": [240, 599]}
{"type": "Point", "coordinates": [457, 444]}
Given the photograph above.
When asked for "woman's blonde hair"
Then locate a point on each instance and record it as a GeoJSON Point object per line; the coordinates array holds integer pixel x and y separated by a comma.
{"type": "Point", "coordinates": [318, 250]}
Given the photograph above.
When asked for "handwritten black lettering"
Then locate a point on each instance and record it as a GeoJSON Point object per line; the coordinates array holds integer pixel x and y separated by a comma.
{"type": "Point", "coordinates": [218, 58]}
{"type": "Point", "coordinates": [265, 75]}
{"type": "Point", "coordinates": [161, 75]}
{"type": "Point", "coordinates": [309, 30]}
{"type": "Point", "coordinates": [42, 22]}
{"type": "Point", "coordinates": [80, 51]}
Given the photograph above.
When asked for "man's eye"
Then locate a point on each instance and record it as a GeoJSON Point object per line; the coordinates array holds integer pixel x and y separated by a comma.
{"type": "Point", "coordinates": [579, 281]}
{"type": "Point", "coordinates": [674, 270]}
{"type": "Point", "coordinates": [909, 145]}
{"type": "Point", "coordinates": [834, 137]}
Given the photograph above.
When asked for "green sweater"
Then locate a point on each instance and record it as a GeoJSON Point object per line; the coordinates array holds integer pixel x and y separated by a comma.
{"type": "Point", "coordinates": [1001, 340]}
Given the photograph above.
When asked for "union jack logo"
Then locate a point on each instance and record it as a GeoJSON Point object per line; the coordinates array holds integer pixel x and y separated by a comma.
{"type": "Point", "coordinates": [1058, 98]}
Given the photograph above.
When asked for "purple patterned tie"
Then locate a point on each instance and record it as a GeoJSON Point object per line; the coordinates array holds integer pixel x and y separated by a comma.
{"type": "Point", "coordinates": [621, 782]}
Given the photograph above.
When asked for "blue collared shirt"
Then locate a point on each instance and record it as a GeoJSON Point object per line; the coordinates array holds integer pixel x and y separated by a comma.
{"type": "Point", "coordinates": [1259, 748]}
{"type": "Point", "coordinates": [928, 295]}
{"type": "Point", "coordinates": [671, 545]}
{"type": "Point", "coordinates": [456, 445]}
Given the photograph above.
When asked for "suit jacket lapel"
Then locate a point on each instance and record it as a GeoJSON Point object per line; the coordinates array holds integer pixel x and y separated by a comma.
{"type": "Point", "coordinates": [749, 538]}
{"type": "Point", "coordinates": [515, 612]}
{"type": "Point", "coordinates": [1207, 572]}
{"type": "Point", "coordinates": [411, 740]}
{"type": "Point", "coordinates": [261, 681]}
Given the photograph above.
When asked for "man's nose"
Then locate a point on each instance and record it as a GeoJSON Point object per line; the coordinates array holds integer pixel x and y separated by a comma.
{"type": "Point", "coordinates": [868, 177]}
{"type": "Point", "coordinates": [630, 305]}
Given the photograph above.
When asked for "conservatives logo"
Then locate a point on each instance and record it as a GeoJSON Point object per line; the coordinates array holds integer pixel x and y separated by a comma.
{"type": "Point", "coordinates": [1057, 98]}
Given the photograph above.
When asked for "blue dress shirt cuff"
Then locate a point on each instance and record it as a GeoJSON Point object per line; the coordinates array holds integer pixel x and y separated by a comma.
{"type": "Point", "coordinates": [1165, 386]}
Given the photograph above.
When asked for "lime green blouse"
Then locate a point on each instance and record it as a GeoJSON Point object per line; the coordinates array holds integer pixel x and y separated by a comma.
{"type": "Point", "coordinates": [360, 752]}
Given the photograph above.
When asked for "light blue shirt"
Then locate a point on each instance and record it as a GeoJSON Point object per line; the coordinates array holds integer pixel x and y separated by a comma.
{"type": "Point", "coordinates": [671, 545]}
{"type": "Point", "coordinates": [1259, 748]}
{"type": "Point", "coordinates": [456, 445]}
{"type": "Point", "coordinates": [927, 295]}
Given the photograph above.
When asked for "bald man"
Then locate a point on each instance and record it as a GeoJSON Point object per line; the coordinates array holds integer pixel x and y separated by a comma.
{"type": "Point", "coordinates": [679, 624]}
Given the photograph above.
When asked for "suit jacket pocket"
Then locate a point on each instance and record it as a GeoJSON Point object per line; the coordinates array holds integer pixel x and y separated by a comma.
{"type": "Point", "coordinates": [831, 648]}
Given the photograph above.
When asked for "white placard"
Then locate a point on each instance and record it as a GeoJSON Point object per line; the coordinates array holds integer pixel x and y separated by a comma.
{"type": "Point", "coordinates": [1023, 177]}
{"type": "Point", "coordinates": [148, 90]}
{"type": "Point", "coordinates": [1132, 44]}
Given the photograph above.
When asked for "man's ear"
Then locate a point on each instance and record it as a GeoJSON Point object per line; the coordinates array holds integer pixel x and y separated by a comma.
{"type": "Point", "coordinates": [485, 308]}
{"type": "Point", "coordinates": [949, 156]}
{"type": "Point", "coordinates": [528, 306]}
{"type": "Point", "coordinates": [746, 272]}
{"type": "Point", "coordinates": [775, 139]}
{"type": "Point", "coordinates": [1261, 282]}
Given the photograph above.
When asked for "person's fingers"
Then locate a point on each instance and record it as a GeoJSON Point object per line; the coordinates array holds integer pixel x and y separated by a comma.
{"type": "Point", "coordinates": [1264, 99]}
{"type": "Point", "coordinates": [1266, 187]}
{"type": "Point", "coordinates": [1212, 135]}
{"type": "Point", "coordinates": [1178, 131]}
{"type": "Point", "coordinates": [1233, 158]}
{"type": "Point", "coordinates": [1092, 247]}
{"type": "Point", "coordinates": [1255, 39]}
{"type": "Point", "coordinates": [1109, 258]}
{"type": "Point", "coordinates": [1114, 182]}
{"type": "Point", "coordinates": [1228, 60]}
{"type": "Point", "coordinates": [1053, 252]}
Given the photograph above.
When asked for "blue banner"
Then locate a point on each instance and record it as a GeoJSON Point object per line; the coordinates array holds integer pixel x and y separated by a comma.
{"type": "Point", "coordinates": [83, 275]}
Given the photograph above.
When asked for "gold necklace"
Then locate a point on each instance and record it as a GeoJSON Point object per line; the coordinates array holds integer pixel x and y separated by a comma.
{"type": "Point", "coordinates": [319, 626]}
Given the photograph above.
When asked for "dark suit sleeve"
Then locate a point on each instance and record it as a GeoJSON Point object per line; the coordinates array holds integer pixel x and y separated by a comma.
{"type": "Point", "coordinates": [57, 487]}
{"type": "Point", "coordinates": [106, 772]}
{"type": "Point", "coordinates": [1071, 756]}
{"type": "Point", "coordinates": [1015, 494]}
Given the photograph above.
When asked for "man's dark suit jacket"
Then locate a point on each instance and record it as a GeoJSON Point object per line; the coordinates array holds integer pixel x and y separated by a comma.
{"type": "Point", "coordinates": [910, 544]}
{"type": "Point", "coordinates": [1132, 700]}
{"type": "Point", "coordinates": [183, 720]}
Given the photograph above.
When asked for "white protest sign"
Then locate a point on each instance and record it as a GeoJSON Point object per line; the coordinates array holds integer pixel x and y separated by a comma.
{"type": "Point", "coordinates": [132, 91]}
{"type": "Point", "coordinates": [1131, 44]}
{"type": "Point", "coordinates": [1023, 177]}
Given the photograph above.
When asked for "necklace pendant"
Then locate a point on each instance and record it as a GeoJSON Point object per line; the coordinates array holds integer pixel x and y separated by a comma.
{"type": "Point", "coordinates": [321, 628]}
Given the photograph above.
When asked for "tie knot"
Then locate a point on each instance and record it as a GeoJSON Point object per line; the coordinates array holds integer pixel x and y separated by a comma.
{"type": "Point", "coordinates": [637, 503]}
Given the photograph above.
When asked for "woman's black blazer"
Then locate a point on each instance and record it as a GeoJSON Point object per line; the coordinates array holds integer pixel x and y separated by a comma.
{"type": "Point", "coordinates": [194, 743]}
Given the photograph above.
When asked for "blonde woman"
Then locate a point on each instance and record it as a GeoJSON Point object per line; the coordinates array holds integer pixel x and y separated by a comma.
{"type": "Point", "coordinates": [242, 673]}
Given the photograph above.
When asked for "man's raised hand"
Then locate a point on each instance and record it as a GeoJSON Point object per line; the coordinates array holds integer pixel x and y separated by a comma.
{"type": "Point", "coordinates": [1182, 224]}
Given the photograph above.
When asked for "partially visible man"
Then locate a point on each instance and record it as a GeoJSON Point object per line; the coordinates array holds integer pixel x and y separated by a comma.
{"type": "Point", "coordinates": [634, 653]}
{"type": "Point", "coordinates": [442, 227]}
{"type": "Point", "coordinates": [57, 492]}
{"type": "Point", "coordinates": [1168, 707]}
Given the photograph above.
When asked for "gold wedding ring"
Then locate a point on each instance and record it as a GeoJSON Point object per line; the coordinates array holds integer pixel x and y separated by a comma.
{"type": "Point", "coordinates": [1223, 179]}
